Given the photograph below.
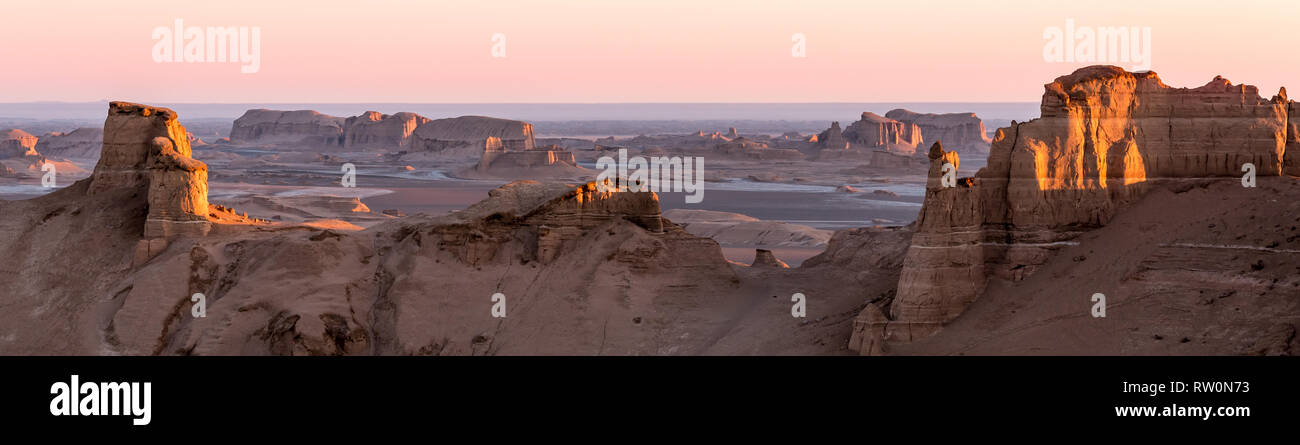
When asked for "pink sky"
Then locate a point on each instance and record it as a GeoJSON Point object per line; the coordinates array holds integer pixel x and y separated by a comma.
{"type": "Point", "coordinates": [624, 51]}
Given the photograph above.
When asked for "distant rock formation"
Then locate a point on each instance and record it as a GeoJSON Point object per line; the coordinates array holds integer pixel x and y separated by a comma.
{"type": "Point", "coordinates": [287, 127]}
{"type": "Point", "coordinates": [831, 139]}
{"type": "Point", "coordinates": [440, 134]}
{"type": "Point", "coordinates": [883, 159]}
{"type": "Point", "coordinates": [1104, 136]}
{"type": "Point", "coordinates": [16, 143]}
{"type": "Point", "coordinates": [82, 143]}
{"type": "Point", "coordinates": [765, 258]}
{"type": "Point", "coordinates": [742, 147]}
{"type": "Point", "coordinates": [963, 132]}
{"type": "Point", "coordinates": [551, 161]}
{"type": "Point", "coordinates": [876, 131]}
{"type": "Point", "coordinates": [373, 129]}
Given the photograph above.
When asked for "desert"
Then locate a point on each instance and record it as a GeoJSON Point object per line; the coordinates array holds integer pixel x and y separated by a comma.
{"type": "Point", "coordinates": [392, 234]}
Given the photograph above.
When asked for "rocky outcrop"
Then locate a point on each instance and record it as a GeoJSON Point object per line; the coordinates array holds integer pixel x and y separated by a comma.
{"type": "Point", "coordinates": [440, 134]}
{"type": "Point", "coordinates": [82, 143]}
{"type": "Point", "coordinates": [876, 131]}
{"type": "Point", "coordinates": [1104, 136]}
{"type": "Point", "coordinates": [373, 129]}
{"type": "Point", "coordinates": [178, 191]}
{"type": "Point", "coordinates": [832, 138]}
{"type": "Point", "coordinates": [963, 132]}
{"type": "Point", "coordinates": [146, 149]}
{"type": "Point", "coordinates": [262, 126]}
{"type": "Point", "coordinates": [765, 258]}
{"type": "Point", "coordinates": [496, 157]}
{"type": "Point", "coordinates": [16, 143]}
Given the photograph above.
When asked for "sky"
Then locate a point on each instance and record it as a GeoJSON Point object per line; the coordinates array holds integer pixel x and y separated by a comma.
{"type": "Point", "coordinates": [605, 51]}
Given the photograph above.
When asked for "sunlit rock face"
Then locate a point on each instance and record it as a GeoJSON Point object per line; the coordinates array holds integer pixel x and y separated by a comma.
{"type": "Point", "coordinates": [876, 131]}
{"type": "Point", "coordinates": [17, 143]}
{"type": "Point", "coordinates": [129, 143]}
{"type": "Point", "coordinates": [1104, 135]}
{"type": "Point", "coordinates": [178, 192]}
{"type": "Point", "coordinates": [963, 132]}
{"type": "Point", "coordinates": [1291, 159]}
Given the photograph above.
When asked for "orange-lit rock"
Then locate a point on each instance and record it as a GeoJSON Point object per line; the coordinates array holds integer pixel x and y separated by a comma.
{"type": "Point", "coordinates": [1105, 134]}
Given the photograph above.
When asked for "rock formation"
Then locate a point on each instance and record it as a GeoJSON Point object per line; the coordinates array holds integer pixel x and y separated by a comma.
{"type": "Point", "coordinates": [876, 131]}
{"type": "Point", "coordinates": [373, 129]}
{"type": "Point", "coordinates": [765, 258]}
{"type": "Point", "coordinates": [832, 138]}
{"type": "Point", "coordinates": [287, 127]}
{"type": "Point", "coordinates": [1105, 135]}
{"type": "Point", "coordinates": [147, 150]}
{"type": "Point", "coordinates": [439, 134]}
{"type": "Point", "coordinates": [82, 143]}
{"type": "Point", "coordinates": [17, 143]}
{"type": "Point", "coordinates": [551, 161]}
{"type": "Point", "coordinates": [963, 132]}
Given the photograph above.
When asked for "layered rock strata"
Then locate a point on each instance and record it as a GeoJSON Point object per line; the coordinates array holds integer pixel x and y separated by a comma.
{"type": "Point", "coordinates": [876, 131]}
{"type": "Point", "coordinates": [963, 132]}
{"type": "Point", "coordinates": [1104, 136]}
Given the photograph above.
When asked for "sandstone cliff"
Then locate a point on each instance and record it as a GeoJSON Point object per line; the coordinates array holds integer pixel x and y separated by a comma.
{"type": "Point", "coordinates": [963, 132]}
{"type": "Point", "coordinates": [1105, 136]}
